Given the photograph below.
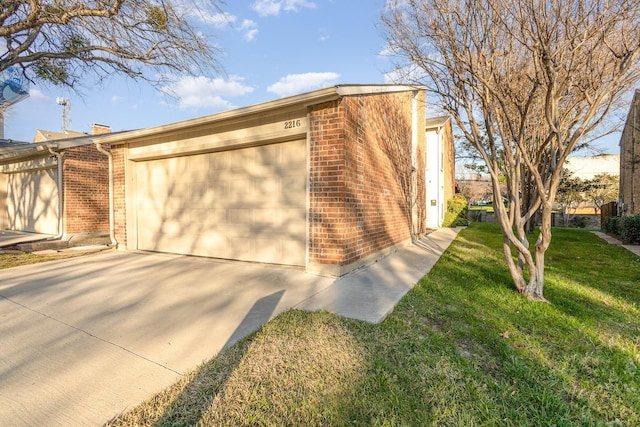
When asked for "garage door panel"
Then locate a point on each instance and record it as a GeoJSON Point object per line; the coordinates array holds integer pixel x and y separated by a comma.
{"type": "Point", "coordinates": [32, 201]}
{"type": "Point", "coordinates": [246, 204]}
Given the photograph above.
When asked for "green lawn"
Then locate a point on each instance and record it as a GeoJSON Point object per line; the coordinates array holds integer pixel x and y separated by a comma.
{"type": "Point", "coordinates": [461, 349]}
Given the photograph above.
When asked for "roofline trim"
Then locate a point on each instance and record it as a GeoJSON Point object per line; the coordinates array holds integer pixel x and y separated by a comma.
{"type": "Point", "coordinates": [305, 99]}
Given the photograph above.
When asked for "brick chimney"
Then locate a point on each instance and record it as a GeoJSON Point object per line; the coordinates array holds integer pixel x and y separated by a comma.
{"type": "Point", "coordinates": [97, 129]}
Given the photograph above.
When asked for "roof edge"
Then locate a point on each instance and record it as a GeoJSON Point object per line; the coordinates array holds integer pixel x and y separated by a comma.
{"type": "Point", "coordinates": [305, 99]}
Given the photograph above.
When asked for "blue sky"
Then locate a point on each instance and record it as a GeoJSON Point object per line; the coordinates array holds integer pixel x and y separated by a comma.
{"type": "Point", "coordinates": [270, 49]}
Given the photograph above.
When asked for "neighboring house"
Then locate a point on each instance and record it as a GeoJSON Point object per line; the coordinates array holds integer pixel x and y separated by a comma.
{"type": "Point", "coordinates": [629, 203]}
{"type": "Point", "coordinates": [328, 180]}
{"type": "Point", "coordinates": [586, 168]}
{"type": "Point", "coordinates": [47, 135]}
{"type": "Point", "coordinates": [32, 174]}
{"type": "Point", "coordinates": [440, 164]}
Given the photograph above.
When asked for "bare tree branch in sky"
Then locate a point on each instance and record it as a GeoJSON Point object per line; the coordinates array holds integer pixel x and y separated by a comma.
{"type": "Point", "coordinates": [63, 41]}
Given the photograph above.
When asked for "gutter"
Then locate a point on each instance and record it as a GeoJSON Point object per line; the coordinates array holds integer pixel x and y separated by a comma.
{"type": "Point", "coordinates": [59, 157]}
{"type": "Point", "coordinates": [112, 227]}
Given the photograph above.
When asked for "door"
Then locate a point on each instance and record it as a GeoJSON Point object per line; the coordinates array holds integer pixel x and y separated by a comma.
{"type": "Point", "coordinates": [32, 201]}
{"type": "Point", "coordinates": [247, 204]}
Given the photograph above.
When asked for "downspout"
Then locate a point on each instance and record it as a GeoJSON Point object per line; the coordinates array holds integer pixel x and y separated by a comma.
{"type": "Point", "coordinates": [59, 158]}
{"type": "Point", "coordinates": [112, 227]}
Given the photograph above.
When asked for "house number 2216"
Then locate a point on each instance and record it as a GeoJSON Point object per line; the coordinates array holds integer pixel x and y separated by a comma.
{"type": "Point", "coordinates": [292, 124]}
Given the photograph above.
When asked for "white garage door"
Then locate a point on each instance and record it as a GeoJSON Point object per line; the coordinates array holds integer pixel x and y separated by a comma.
{"type": "Point", "coordinates": [247, 204]}
{"type": "Point", "coordinates": [32, 201]}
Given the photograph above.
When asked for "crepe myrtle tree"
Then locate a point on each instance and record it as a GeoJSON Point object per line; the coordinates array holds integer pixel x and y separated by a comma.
{"type": "Point", "coordinates": [62, 41]}
{"type": "Point", "coordinates": [525, 81]}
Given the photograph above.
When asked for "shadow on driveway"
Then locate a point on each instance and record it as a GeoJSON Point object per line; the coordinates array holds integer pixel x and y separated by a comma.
{"type": "Point", "coordinates": [82, 339]}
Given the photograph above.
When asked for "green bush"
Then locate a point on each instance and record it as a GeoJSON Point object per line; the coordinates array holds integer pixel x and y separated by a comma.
{"type": "Point", "coordinates": [612, 225]}
{"type": "Point", "coordinates": [579, 222]}
{"type": "Point", "coordinates": [456, 215]}
{"type": "Point", "coordinates": [630, 229]}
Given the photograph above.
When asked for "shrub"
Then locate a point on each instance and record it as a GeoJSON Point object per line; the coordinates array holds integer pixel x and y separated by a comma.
{"type": "Point", "coordinates": [630, 229]}
{"type": "Point", "coordinates": [579, 222]}
{"type": "Point", "coordinates": [456, 215]}
{"type": "Point", "coordinates": [612, 225]}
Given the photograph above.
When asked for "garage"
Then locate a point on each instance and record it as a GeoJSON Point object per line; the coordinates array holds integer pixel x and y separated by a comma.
{"type": "Point", "coordinates": [32, 201]}
{"type": "Point", "coordinates": [247, 204]}
{"type": "Point", "coordinates": [315, 180]}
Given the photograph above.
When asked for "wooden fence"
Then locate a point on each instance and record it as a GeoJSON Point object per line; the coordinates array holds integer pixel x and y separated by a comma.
{"type": "Point", "coordinates": [607, 211]}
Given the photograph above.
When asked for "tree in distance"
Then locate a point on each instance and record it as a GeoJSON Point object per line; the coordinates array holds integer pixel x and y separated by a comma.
{"type": "Point", "coordinates": [525, 82]}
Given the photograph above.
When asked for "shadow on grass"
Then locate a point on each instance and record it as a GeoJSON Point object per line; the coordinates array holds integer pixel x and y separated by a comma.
{"type": "Point", "coordinates": [189, 398]}
{"type": "Point", "coordinates": [211, 377]}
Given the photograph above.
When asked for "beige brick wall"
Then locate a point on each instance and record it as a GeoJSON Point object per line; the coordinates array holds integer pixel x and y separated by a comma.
{"type": "Point", "coordinates": [360, 177]}
{"type": "Point", "coordinates": [86, 191]}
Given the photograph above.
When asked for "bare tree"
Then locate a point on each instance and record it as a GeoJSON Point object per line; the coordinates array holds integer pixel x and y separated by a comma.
{"type": "Point", "coordinates": [62, 41]}
{"type": "Point", "coordinates": [525, 81]}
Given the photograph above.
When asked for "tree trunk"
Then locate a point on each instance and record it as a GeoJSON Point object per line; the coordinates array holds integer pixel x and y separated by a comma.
{"type": "Point", "coordinates": [535, 288]}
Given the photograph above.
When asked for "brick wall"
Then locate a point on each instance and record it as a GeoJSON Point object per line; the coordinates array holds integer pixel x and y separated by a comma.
{"type": "Point", "coordinates": [630, 159]}
{"type": "Point", "coordinates": [120, 209]}
{"type": "Point", "coordinates": [361, 177]}
{"type": "Point", "coordinates": [449, 163]}
{"type": "Point", "coordinates": [86, 191]}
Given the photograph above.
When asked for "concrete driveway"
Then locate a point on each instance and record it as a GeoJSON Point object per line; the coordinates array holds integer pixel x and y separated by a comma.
{"type": "Point", "coordinates": [85, 338]}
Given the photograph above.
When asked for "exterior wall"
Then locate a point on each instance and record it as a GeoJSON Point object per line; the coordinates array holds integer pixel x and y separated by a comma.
{"type": "Point", "coordinates": [630, 160]}
{"type": "Point", "coordinates": [120, 194]}
{"type": "Point", "coordinates": [4, 219]}
{"type": "Point", "coordinates": [589, 167]}
{"type": "Point", "coordinates": [361, 181]}
{"type": "Point", "coordinates": [86, 191]}
{"type": "Point", "coordinates": [449, 171]}
{"type": "Point", "coordinates": [439, 170]}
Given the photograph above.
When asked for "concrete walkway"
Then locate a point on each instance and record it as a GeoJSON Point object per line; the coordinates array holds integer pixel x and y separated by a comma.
{"type": "Point", "coordinates": [11, 238]}
{"type": "Point", "coordinates": [371, 293]}
{"type": "Point", "coordinates": [613, 241]}
{"type": "Point", "coordinates": [83, 339]}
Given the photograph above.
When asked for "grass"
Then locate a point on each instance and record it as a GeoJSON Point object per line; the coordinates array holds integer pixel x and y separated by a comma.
{"type": "Point", "coordinates": [461, 349]}
{"type": "Point", "coordinates": [9, 260]}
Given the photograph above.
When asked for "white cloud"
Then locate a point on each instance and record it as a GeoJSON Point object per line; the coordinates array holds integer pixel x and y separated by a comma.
{"type": "Point", "coordinates": [298, 83]}
{"type": "Point", "coordinates": [219, 20]}
{"type": "Point", "coordinates": [250, 29]}
{"type": "Point", "coordinates": [203, 92]}
{"type": "Point", "coordinates": [405, 75]}
{"type": "Point", "coordinates": [274, 7]}
{"type": "Point", "coordinates": [203, 12]}
{"type": "Point", "coordinates": [37, 95]}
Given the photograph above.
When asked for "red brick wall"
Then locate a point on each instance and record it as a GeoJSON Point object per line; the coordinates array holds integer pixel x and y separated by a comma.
{"type": "Point", "coordinates": [360, 176]}
{"type": "Point", "coordinates": [449, 163]}
{"type": "Point", "coordinates": [326, 182]}
{"type": "Point", "coordinates": [120, 209]}
{"type": "Point", "coordinates": [86, 191]}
